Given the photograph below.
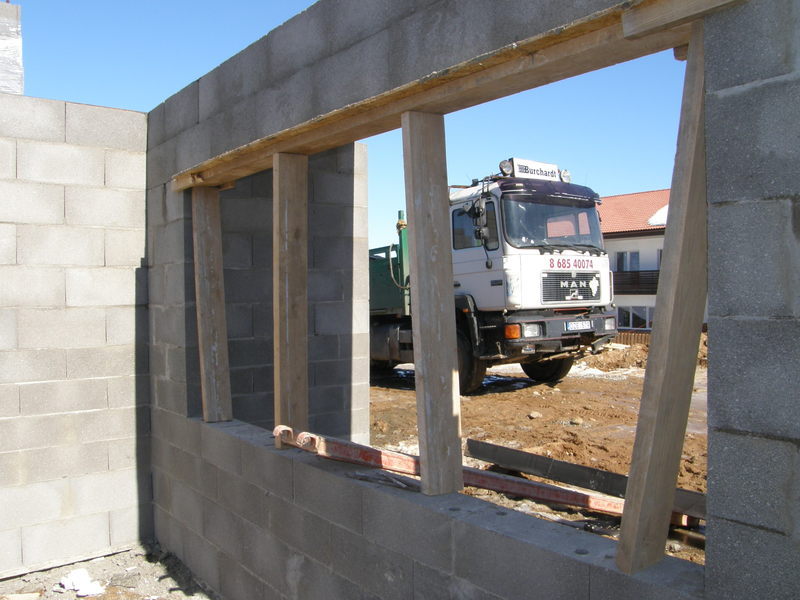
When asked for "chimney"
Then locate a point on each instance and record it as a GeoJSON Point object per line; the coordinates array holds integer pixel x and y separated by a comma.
{"type": "Point", "coordinates": [11, 73]}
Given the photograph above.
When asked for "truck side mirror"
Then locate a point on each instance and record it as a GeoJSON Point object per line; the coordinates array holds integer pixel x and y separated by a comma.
{"type": "Point", "coordinates": [482, 234]}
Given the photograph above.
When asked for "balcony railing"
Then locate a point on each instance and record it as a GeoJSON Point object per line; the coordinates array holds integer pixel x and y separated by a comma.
{"type": "Point", "coordinates": [635, 282]}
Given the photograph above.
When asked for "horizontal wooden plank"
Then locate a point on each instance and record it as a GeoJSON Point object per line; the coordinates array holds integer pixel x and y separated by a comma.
{"type": "Point", "coordinates": [648, 18]}
{"type": "Point", "coordinates": [686, 502]}
{"type": "Point", "coordinates": [579, 48]}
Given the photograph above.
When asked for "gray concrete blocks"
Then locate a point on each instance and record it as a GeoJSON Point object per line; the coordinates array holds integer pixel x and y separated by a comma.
{"type": "Point", "coordinates": [31, 286]}
{"type": "Point", "coordinates": [8, 329]}
{"type": "Point", "coordinates": [124, 247]}
{"type": "Point", "coordinates": [102, 127]}
{"type": "Point", "coordinates": [20, 366]}
{"type": "Point", "coordinates": [62, 396]}
{"type": "Point", "coordinates": [59, 245]}
{"type": "Point", "coordinates": [755, 394]}
{"type": "Point", "coordinates": [32, 118]}
{"type": "Point", "coordinates": [9, 400]}
{"type": "Point", "coordinates": [8, 244]}
{"type": "Point", "coordinates": [103, 287]}
{"type": "Point", "coordinates": [36, 202]}
{"type": "Point", "coordinates": [60, 163]}
{"type": "Point", "coordinates": [10, 550]}
{"type": "Point", "coordinates": [104, 207]}
{"type": "Point", "coordinates": [8, 159]}
{"type": "Point", "coordinates": [754, 480]}
{"type": "Point", "coordinates": [326, 493]}
{"type": "Point", "coordinates": [80, 537]}
{"type": "Point", "coordinates": [61, 327]}
{"type": "Point", "coordinates": [124, 169]}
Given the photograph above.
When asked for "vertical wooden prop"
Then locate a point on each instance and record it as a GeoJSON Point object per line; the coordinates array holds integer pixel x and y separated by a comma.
{"type": "Point", "coordinates": [672, 360]}
{"type": "Point", "coordinates": [435, 361]}
{"type": "Point", "coordinates": [290, 289]}
{"type": "Point", "coordinates": [209, 285]}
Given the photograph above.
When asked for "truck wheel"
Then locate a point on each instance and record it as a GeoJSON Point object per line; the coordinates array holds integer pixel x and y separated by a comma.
{"type": "Point", "coordinates": [470, 369]}
{"type": "Point", "coordinates": [548, 371]}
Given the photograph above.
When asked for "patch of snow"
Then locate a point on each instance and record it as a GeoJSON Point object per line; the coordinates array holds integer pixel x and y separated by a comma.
{"type": "Point", "coordinates": [659, 218]}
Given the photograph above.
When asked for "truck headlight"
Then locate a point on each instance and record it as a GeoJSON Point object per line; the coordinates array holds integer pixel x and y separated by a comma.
{"type": "Point", "coordinates": [531, 330]}
{"type": "Point", "coordinates": [610, 323]}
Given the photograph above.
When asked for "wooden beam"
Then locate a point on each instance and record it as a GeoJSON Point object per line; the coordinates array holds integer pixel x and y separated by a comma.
{"type": "Point", "coordinates": [434, 331]}
{"type": "Point", "coordinates": [671, 363]}
{"type": "Point", "coordinates": [580, 47]}
{"type": "Point", "coordinates": [209, 285]}
{"type": "Point", "coordinates": [653, 17]}
{"type": "Point", "coordinates": [686, 502]}
{"type": "Point", "coordinates": [290, 289]}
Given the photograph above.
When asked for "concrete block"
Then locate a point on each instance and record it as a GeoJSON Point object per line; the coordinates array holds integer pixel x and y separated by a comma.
{"type": "Point", "coordinates": [114, 424]}
{"type": "Point", "coordinates": [61, 327]}
{"type": "Point", "coordinates": [772, 284]}
{"type": "Point", "coordinates": [35, 503]}
{"type": "Point", "coordinates": [59, 245]}
{"type": "Point", "coordinates": [237, 250]}
{"type": "Point", "coordinates": [236, 582]}
{"type": "Point", "coordinates": [191, 147]}
{"type": "Point", "coordinates": [114, 490]}
{"type": "Point", "coordinates": [750, 383]}
{"type": "Point", "coordinates": [110, 361]}
{"type": "Point", "coordinates": [131, 525]}
{"type": "Point", "coordinates": [31, 286]}
{"type": "Point", "coordinates": [177, 205]}
{"type": "Point", "coordinates": [45, 431]}
{"type": "Point", "coordinates": [173, 243]}
{"type": "Point", "coordinates": [266, 557]}
{"type": "Point", "coordinates": [247, 214]}
{"type": "Point", "coordinates": [59, 462]}
{"type": "Point", "coordinates": [398, 523]}
{"type": "Point", "coordinates": [11, 470]}
{"type": "Point", "coordinates": [220, 448]}
{"type": "Point", "coordinates": [325, 286]}
{"type": "Point", "coordinates": [9, 400]}
{"type": "Point", "coordinates": [60, 163]}
{"type": "Point", "coordinates": [125, 169]}
{"type": "Point", "coordinates": [242, 498]}
{"type": "Point", "coordinates": [203, 558]}
{"type": "Point", "coordinates": [19, 366]}
{"type": "Point", "coordinates": [110, 286]}
{"type": "Point", "coordinates": [390, 574]}
{"type": "Point", "coordinates": [105, 127]}
{"type": "Point", "coordinates": [307, 578]}
{"type": "Point", "coordinates": [155, 126]}
{"type": "Point", "coordinates": [77, 537]}
{"type": "Point", "coordinates": [301, 529]}
{"type": "Point", "coordinates": [733, 55]}
{"type": "Point", "coordinates": [187, 506]}
{"type": "Point", "coordinates": [104, 207]}
{"type": "Point", "coordinates": [10, 551]}
{"type": "Point", "coordinates": [253, 285]}
{"type": "Point", "coordinates": [126, 325]}
{"type": "Point", "coordinates": [223, 528]}
{"type": "Point", "coordinates": [249, 352]}
{"type": "Point", "coordinates": [62, 396]}
{"type": "Point", "coordinates": [285, 49]}
{"type": "Point", "coordinates": [736, 148]}
{"type": "Point", "coordinates": [124, 247]}
{"type": "Point", "coordinates": [674, 579]}
{"type": "Point", "coordinates": [181, 110]}
{"type": "Point", "coordinates": [432, 583]}
{"type": "Point", "coordinates": [271, 470]}
{"type": "Point", "coordinates": [179, 283]}
{"type": "Point", "coordinates": [162, 163]}
{"type": "Point", "coordinates": [326, 491]}
{"type": "Point", "coordinates": [749, 562]}
{"type": "Point", "coordinates": [33, 202]}
{"type": "Point", "coordinates": [31, 118]}
{"type": "Point", "coordinates": [8, 159]}
{"type": "Point", "coordinates": [336, 318]}
{"type": "Point", "coordinates": [126, 392]}
{"type": "Point", "coordinates": [8, 329]}
{"type": "Point", "coordinates": [239, 319]}
{"type": "Point", "coordinates": [8, 244]}
{"type": "Point", "coordinates": [232, 127]}
{"type": "Point", "coordinates": [754, 480]}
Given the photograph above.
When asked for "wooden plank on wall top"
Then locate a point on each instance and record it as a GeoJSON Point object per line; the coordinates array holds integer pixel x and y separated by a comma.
{"type": "Point", "coordinates": [649, 18]}
{"type": "Point", "coordinates": [434, 332]}
{"type": "Point", "coordinates": [212, 330]}
{"type": "Point", "coordinates": [290, 289]}
{"type": "Point", "coordinates": [672, 360]}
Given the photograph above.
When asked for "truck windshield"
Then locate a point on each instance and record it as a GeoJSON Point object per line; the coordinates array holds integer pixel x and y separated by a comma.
{"type": "Point", "coordinates": [534, 220]}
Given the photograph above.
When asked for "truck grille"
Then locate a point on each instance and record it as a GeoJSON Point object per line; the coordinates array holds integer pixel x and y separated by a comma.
{"type": "Point", "coordinates": [566, 286]}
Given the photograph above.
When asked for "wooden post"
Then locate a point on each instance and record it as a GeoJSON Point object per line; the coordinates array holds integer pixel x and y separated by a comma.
{"type": "Point", "coordinates": [209, 285]}
{"type": "Point", "coordinates": [290, 289]}
{"type": "Point", "coordinates": [432, 305]}
{"type": "Point", "coordinates": [672, 360]}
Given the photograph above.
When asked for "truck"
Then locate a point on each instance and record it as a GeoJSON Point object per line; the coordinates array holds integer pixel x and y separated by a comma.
{"type": "Point", "coordinates": [531, 280]}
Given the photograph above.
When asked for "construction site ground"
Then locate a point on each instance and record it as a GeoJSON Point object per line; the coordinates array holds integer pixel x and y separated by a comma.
{"type": "Point", "coordinates": [589, 418]}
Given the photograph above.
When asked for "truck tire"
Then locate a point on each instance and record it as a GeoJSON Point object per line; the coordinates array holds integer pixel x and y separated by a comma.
{"type": "Point", "coordinates": [470, 369]}
{"type": "Point", "coordinates": [548, 371]}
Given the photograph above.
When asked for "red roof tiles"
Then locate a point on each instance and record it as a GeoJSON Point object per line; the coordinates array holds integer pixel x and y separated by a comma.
{"type": "Point", "coordinates": [630, 212]}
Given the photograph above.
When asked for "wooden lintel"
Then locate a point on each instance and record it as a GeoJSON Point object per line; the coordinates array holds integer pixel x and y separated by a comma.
{"type": "Point", "coordinates": [671, 364]}
{"type": "Point", "coordinates": [652, 17]}
{"type": "Point", "coordinates": [212, 331]}
{"type": "Point", "coordinates": [552, 56]}
{"type": "Point", "coordinates": [434, 332]}
{"type": "Point", "coordinates": [289, 290]}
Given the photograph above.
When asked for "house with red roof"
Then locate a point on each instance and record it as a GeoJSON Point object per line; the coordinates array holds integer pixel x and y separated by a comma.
{"type": "Point", "coordinates": [633, 228]}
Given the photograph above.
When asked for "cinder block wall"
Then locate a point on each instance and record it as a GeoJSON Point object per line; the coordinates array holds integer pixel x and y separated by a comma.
{"type": "Point", "coordinates": [753, 154]}
{"type": "Point", "coordinates": [74, 433]}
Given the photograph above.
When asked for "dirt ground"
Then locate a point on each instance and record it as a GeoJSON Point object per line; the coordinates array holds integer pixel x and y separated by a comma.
{"type": "Point", "coordinates": [589, 418]}
{"type": "Point", "coordinates": [138, 574]}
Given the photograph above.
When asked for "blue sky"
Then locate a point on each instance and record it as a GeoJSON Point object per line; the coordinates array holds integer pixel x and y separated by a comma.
{"type": "Point", "coordinates": [614, 129]}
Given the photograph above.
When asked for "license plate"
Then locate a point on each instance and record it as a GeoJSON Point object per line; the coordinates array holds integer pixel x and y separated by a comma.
{"type": "Point", "coordinates": [579, 325]}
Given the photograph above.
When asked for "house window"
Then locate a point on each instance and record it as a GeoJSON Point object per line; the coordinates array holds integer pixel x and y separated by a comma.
{"type": "Point", "coordinates": [635, 317]}
{"type": "Point", "coordinates": [627, 261]}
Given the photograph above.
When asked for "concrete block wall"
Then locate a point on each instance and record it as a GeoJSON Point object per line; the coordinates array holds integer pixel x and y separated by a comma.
{"type": "Point", "coordinates": [256, 522]}
{"type": "Point", "coordinates": [753, 153]}
{"type": "Point", "coordinates": [74, 420]}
